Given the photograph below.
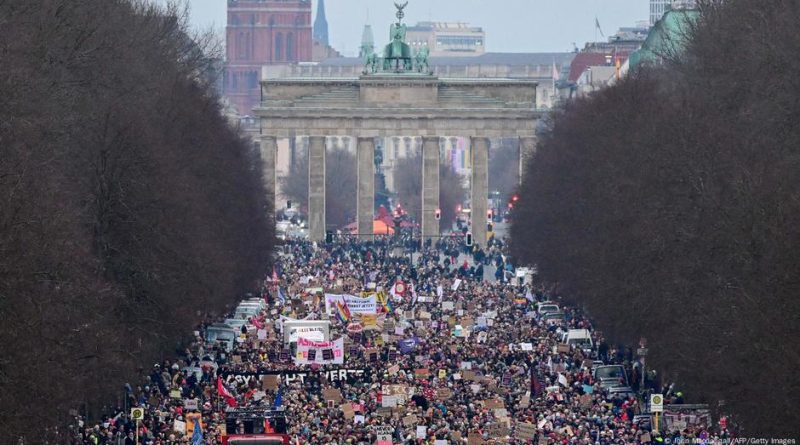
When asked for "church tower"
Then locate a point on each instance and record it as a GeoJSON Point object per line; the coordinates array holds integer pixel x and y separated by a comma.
{"type": "Point", "coordinates": [321, 24]}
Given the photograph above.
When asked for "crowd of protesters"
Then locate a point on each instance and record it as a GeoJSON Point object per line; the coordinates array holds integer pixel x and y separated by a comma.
{"type": "Point", "coordinates": [480, 364]}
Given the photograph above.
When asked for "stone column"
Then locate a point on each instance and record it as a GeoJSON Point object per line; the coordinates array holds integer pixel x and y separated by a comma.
{"type": "Point", "coordinates": [269, 156]}
{"type": "Point", "coordinates": [527, 147]}
{"type": "Point", "coordinates": [479, 147]}
{"type": "Point", "coordinates": [365, 194]}
{"type": "Point", "coordinates": [430, 186]}
{"type": "Point", "coordinates": [316, 188]}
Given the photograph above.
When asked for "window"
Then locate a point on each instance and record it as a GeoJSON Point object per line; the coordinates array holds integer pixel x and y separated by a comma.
{"type": "Point", "coordinates": [241, 50]}
{"type": "Point", "coordinates": [278, 47]}
{"type": "Point", "coordinates": [290, 47]}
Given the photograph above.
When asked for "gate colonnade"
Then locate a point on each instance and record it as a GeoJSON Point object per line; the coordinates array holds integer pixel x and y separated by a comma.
{"type": "Point", "coordinates": [387, 105]}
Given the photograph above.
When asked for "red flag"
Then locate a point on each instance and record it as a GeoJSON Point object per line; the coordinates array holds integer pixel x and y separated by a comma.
{"type": "Point", "coordinates": [224, 393]}
{"type": "Point", "coordinates": [267, 426]}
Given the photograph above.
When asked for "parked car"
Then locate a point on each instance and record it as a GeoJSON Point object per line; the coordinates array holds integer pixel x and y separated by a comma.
{"type": "Point", "coordinates": [610, 376]}
{"type": "Point", "coordinates": [554, 318]}
{"type": "Point", "coordinates": [620, 392]}
{"type": "Point", "coordinates": [236, 323]}
{"type": "Point", "coordinates": [547, 307]}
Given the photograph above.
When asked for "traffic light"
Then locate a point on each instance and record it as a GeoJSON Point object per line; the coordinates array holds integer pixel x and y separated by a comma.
{"type": "Point", "coordinates": [289, 204]}
{"type": "Point", "coordinates": [489, 214]}
{"type": "Point", "coordinates": [437, 214]}
{"type": "Point", "coordinates": [329, 236]}
{"type": "Point", "coordinates": [510, 205]}
{"type": "Point", "coordinates": [468, 239]}
{"type": "Point", "coordinates": [489, 227]}
{"type": "Point", "coordinates": [515, 198]}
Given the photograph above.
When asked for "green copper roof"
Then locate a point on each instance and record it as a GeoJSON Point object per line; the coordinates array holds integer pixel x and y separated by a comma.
{"type": "Point", "coordinates": [667, 37]}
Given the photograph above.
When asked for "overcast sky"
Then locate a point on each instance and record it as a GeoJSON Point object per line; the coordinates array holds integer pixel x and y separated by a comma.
{"type": "Point", "coordinates": [510, 25]}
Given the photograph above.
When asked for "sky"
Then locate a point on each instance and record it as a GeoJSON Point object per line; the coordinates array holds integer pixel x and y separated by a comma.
{"type": "Point", "coordinates": [510, 25]}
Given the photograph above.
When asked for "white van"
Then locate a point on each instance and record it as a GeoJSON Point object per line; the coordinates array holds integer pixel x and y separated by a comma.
{"type": "Point", "coordinates": [223, 333]}
{"type": "Point", "coordinates": [247, 311]}
{"type": "Point", "coordinates": [580, 338]}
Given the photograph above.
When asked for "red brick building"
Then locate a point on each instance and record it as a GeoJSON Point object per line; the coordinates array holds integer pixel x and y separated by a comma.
{"type": "Point", "coordinates": [262, 32]}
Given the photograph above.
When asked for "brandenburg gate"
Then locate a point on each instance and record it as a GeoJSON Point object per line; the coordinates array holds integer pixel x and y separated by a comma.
{"type": "Point", "coordinates": [396, 96]}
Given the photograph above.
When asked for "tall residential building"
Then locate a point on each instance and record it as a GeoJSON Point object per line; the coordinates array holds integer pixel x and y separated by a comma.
{"type": "Point", "coordinates": [321, 24]}
{"type": "Point", "coordinates": [657, 10]}
{"type": "Point", "coordinates": [262, 32]}
{"type": "Point", "coordinates": [448, 39]}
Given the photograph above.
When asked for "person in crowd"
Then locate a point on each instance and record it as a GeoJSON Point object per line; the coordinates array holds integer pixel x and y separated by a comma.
{"type": "Point", "coordinates": [452, 356]}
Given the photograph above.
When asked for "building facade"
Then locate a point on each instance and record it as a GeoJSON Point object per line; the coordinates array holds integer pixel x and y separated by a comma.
{"type": "Point", "coordinates": [259, 33]}
{"type": "Point", "coordinates": [657, 10]}
{"type": "Point", "coordinates": [448, 38]}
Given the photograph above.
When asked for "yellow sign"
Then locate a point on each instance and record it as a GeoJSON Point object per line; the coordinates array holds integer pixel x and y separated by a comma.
{"type": "Point", "coordinates": [656, 403]}
{"type": "Point", "coordinates": [137, 413]}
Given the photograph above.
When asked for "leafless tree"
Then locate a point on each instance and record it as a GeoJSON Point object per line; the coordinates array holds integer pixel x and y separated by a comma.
{"type": "Point", "coordinates": [130, 207]}
{"type": "Point", "coordinates": [668, 206]}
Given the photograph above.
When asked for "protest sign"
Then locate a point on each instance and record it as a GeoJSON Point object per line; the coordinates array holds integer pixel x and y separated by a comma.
{"type": "Point", "coordinates": [474, 438]}
{"type": "Point", "coordinates": [497, 430]}
{"type": "Point", "coordinates": [347, 410]}
{"type": "Point", "coordinates": [389, 401]}
{"type": "Point", "coordinates": [444, 393]}
{"type": "Point", "coordinates": [269, 382]}
{"type": "Point", "coordinates": [179, 426]}
{"type": "Point", "coordinates": [525, 430]}
{"type": "Point", "coordinates": [332, 394]}
{"type": "Point", "coordinates": [493, 403]}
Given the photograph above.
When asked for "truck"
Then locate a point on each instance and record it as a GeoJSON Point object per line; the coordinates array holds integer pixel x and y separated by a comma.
{"type": "Point", "coordinates": [255, 427]}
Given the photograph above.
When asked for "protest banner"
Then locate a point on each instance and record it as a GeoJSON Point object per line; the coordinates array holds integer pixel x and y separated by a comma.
{"type": "Point", "coordinates": [319, 352]}
{"type": "Point", "coordinates": [335, 376]}
{"type": "Point", "coordinates": [356, 305]}
{"type": "Point", "coordinates": [316, 330]}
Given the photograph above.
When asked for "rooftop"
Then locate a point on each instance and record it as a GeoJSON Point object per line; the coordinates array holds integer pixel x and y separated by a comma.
{"type": "Point", "coordinates": [512, 59]}
{"type": "Point", "coordinates": [444, 26]}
